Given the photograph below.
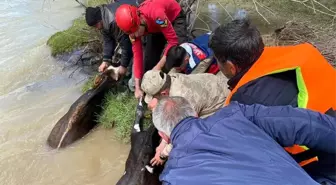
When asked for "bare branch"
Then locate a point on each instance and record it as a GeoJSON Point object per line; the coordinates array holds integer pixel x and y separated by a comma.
{"type": "Point", "coordinates": [312, 2]}
{"type": "Point", "coordinates": [302, 1]}
{"type": "Point", "coordinates": [266, 8]}
{"type": "Point", "coordinates": [81, 3]}
{"type": "Point", "coordinates": [211, 18]}
{"type": "Point", "coordinates": [225, 10]}
{"type": "Point", "coordinates": [256, 7]}
{"type": "Point", "coordinates": [324, 6]}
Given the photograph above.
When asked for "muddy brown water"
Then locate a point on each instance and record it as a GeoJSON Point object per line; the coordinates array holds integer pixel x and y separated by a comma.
{"type": "Point", "coordinates": [35, 93]}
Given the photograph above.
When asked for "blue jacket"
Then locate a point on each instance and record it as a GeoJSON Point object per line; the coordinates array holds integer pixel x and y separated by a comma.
{"type": "Point", "coordinates": [243, 144]}
{"type": "Point", "coordinates": [200, 51]}
{"type": "Point", "coordinates": [281, 89]}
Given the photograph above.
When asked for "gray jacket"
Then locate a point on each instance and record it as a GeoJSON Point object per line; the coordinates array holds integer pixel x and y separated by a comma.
{"type": "Point", "coordinates": [113, 35]}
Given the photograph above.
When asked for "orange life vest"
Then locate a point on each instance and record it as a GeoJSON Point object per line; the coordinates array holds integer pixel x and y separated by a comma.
{"type": "Point", "coordinates": [316, 79]}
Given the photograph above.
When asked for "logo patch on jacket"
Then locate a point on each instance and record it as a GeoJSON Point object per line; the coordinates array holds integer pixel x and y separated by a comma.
{"type": "Point", "coordinates": [162, 23]}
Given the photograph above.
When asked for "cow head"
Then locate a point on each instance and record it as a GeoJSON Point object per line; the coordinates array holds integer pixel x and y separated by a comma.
{"type": "Point", "coordinates": [143, 144]}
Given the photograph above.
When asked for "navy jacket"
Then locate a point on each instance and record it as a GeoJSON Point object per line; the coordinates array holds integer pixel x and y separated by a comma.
{"type": "Point", "coordinates": [242, 144]}
{"type": "Point", "coordinates": [272, 90]}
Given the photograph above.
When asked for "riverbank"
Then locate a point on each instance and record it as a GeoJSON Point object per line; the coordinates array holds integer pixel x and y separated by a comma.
{"type": "Point", "coordinates": [281, 22]}
{"type": "Point", "coordinates": [69, 46]}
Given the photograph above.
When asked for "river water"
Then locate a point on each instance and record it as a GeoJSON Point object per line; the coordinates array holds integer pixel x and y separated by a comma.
{"type": "Point", "coordinates": [35, 93]}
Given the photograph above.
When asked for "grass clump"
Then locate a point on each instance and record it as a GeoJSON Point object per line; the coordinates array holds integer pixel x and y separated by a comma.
{"type": "Point", "coordinates": [119, 113]}
{"type": "Point", "coordinates": [118, 110]}
{"type": "Point", "coordinates": [97, 2]}
{"type": "Point", "coordinates": [88, 84]}
{"type": "Point", "coordinates": [77, 35]}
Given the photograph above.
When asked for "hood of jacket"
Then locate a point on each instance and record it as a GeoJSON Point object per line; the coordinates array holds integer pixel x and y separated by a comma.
{"type": "Point", "coordinates": [108, 18]}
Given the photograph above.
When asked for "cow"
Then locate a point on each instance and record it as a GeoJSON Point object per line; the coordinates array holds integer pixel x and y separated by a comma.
{"type": "Point", "coordinates": [82, 115]}
{"type": "Point", "coordinates": [138, 170]}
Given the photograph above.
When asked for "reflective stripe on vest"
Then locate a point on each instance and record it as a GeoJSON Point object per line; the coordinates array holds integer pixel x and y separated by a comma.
{"type": "Point", "coordinates": [316, 78]}
{"type": "Point", "coordinates": [197, 55]}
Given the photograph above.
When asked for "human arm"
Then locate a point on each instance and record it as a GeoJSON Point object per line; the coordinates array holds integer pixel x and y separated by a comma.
{"type": "Point", "coordinates": [289, 126]}
{"type": "Point", "coordinates": [108, 51]}
{"type": "Point", "coordinates": [137, 64]}
{"type": "Point", "coordinates": [169, 33]}
{"type": "Point", "coordinates": [161, 63]}
{"type": "Point", "coordinates": [126, 51]}
{"type": "Point", "coordinates": [108, 47]}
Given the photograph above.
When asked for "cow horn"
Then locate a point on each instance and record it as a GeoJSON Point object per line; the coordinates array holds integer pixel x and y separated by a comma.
{"type": "Point", "coordinates": [149, 169]}
{"type": "Point", "coordinates": [137, 128]}
{"type": "Point", "coordinates": [113, 72]}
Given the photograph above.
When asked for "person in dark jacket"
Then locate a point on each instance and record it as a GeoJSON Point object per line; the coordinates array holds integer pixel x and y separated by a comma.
{"type": "Point", "coordinates": [239, 144]}
{"type": "Point", "coordinates": [103, 18]}
{"type": "Point", "coordinates": [274, 76]}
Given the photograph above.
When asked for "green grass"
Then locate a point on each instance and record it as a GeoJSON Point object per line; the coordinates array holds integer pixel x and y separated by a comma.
{"type": "Point", "coordinates": [97, 2]}
{"type": "Point", "coordinates": [118, 111]}
{"type": "Point", "coordinates": [77, 35]}
{"type": "Point", "coordinates": [88, 84]}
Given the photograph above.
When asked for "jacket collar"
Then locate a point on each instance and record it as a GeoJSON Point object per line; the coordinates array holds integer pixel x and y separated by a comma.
{"type": "Point", "coordinates": [234, 80]}
{"type": "Point", "coordinates": [107, 17]}
{"type": "Point", "coordinates": [179, 128]}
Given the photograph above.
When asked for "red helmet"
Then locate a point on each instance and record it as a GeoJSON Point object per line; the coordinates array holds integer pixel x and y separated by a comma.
{"type": "Point", "coordinates": [127, 18]}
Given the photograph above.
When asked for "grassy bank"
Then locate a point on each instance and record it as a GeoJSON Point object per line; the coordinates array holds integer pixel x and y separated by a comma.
{"type": "Point", "coordinates": [120, 105]}
{"type": "Point", "coordinates": [119, 111]}
{"type": "Point", "coordinates": [76, 36]}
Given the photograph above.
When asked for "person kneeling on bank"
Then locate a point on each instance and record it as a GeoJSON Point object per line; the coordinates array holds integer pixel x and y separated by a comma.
{"type": "Point", "coordinates": [192, 57]}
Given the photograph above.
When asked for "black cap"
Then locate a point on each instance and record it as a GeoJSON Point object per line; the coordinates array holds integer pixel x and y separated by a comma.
{"type": "Point", "coordinates": [92, 15]}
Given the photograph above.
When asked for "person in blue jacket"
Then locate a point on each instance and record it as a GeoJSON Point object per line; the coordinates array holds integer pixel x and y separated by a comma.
{"type": "Point", "coordinates": [239, 144]}
{"type": "Point", "coordinates": [189, 55]}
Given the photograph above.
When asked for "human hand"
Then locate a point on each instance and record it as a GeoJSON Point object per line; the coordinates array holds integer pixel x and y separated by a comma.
{"type": "Point", "coordinates": [138, 93]}
{"type": "Point", "coordinates": [156, 161]}
{"type": "Point", "coordinates": [122, 70]}
{"type": "Point", "coordinates": [103, 66]}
